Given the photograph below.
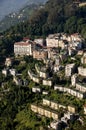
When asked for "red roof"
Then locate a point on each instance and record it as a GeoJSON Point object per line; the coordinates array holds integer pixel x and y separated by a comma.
{"type": "Point", "coordinates": [22, 43]}
{"type": "Point", "coordinates": [26, 39]}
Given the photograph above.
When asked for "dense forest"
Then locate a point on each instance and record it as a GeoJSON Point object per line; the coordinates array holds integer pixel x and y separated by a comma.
{"type": "Point", "coordinates": [55, 16]}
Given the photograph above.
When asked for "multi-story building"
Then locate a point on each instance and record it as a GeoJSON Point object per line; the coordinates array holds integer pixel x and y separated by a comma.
{"type": "Point", "coordinates": [8, 62]}
{"type": "Point", "coordinates": [83, 59]}
{"type": "Point", "coordinates": [47, 82]}
{"type": "Point", "coordinates": [40, 54]}
{"type": "Point", "coordinates": [71, 109]}
{"type": "Point", "coordinates": [52, 41]}
{"type": "Point", "coordinates": [34, 77]}
{"type": "Point", "coordinates": [44, 111]}
{"type": "Point", "coordinates": [5, 72]}
{"type": "Point", "coordinates": [81, 87]}
{"type": "Point", "coordinates": [46, 102]}
{"type": "Point", "coordinates": [85, 109]}
{"type": "Point", "coordinates": [42, 71]}
{"type": "Point", "coordinates": [69, 69]}
{"type": "Point", "coordinates": [40, 41]}
{"type": "Point", "coordinates": [74, 79]}
{"type": "Point", "coordinates": [54, 105]}
{"type": "Point", "coordinates": [23, 48]}
{"type": "Point", "coordinates": [34, 108]}
{"type": "Point", "coordinates": [82, 71]}
{"type": "Point", "coordinates": [17, 81]}
{"type": "Point", "coordinates": [13, 72]}
{"type": "Point", "coordinates": [36, 89]}
{"type": "Point", "coordinates": [75, 93]}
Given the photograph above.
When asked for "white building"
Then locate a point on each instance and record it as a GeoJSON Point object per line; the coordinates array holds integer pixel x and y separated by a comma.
{"type": "Point", "coordinates": [8, 62]}
{"type": "Point", "coordinates": [36, 89]}
{"type": "Point", "coordinates": [39, 41]}
{"type": "Point", "coordinates": [52, 41]}
{"type": "Point", "coordinates": [69, 69]}
{"type": "Point", "coordinates": [23, 48]}
{"type": "Point", "coordinates": [85, 109]}
{"type": "Point", "coordinates": [5, 72]}
{"type": "Point", "coordinates": [47, 82]}
{"type": "Point", "coordinates": [13, 72]}
{"type": "Point", "coordinates": [81, 87]}
{"type": "Point", "coordinates": [74, 79]}
{"type": "Point", "coordinates": [75, 93]}
{"type": "Point", "coordinates": [82, 71]}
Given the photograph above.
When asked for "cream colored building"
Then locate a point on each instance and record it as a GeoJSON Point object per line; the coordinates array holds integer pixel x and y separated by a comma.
{"type": "Point", "coordinates": [71, 109]}
{"type": "Point", "coordinates": [74, 79]}
{"type": "Point", "coordinates": [44, 111]}
{"type": "Point", "coordinates": [69, 69]}
{"type": "Point", "coordinates": [46, 102]}
{"type": "Point", "coordinates": [75, 93]}
{"type": "Point", "coordinates": [52, 41]}
{"type": "Point", "coordinates": [85, 109]}
{"type": "Point", "coordinates": [34, 77]}
{"type": "Point", "coordinates": [47, 82]}
{"type": "Point", "coordinates": [54, 105]}
{"type": "Point", "coordinates": [81, 87]}
{"type": "Point", "coordinates": [34, 108]}
{"type": "Point", "coordinates": [41, 111]}
{"type": "Point", "coordinates": [8, 62]}
{"type": "Point", "coordinates": [82, 71]}
{"type": "Point", "coordinates": [5, 72]}
{"type": "Point", "coordinates": [83, 59]}
{"type": "Point", "coordinates": [41, 71]}
{"type": "Point", "coordinates": [23, 48]}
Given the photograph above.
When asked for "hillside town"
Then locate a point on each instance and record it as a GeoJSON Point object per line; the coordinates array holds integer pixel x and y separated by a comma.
{"type": "Point", "coordinates": [58, 74]}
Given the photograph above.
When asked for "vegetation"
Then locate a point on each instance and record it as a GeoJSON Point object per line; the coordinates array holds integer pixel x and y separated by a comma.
{"type": "Point", "coordinates": [55, 16]}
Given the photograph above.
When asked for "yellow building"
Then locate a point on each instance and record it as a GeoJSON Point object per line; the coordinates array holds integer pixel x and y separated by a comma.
{"type": "Point", "coordinates": [46, 102]}
{"type": "Point", "coordinates": [71, 109]}
{"type": "Point", "coordinates": [34, 108]}
{"type": "Point", "coordinates": [54, 105]}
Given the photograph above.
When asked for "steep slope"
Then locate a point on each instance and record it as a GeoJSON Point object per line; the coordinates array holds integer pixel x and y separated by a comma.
{"type": "Point", "coordinates": [55, 16]}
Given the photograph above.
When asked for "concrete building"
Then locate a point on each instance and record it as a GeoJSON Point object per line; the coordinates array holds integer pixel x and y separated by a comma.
{"type": "Point", "coordinates": [54, 105]}
{"type": "Point", "coordinates": [42, 71]}
{"type": "Point", "coordinates": [81, 87]}
{"type": "Point", "coordinates": [8, 62]}
{"type": "Point", "coordinates": [23, 48]}
{"type": "Point", "coordinates": [85, 109]}
{"type": "Point", "coordinates": [75, 93]}
{"type": "Point", "coordinates": [82, 71]}
{"type": "Point", "coordinates": [71, 109]}
{"type": "Point", "coordinates": [54, 124]}
{"type": "Point", "coordinates": [34, 108]}
{"type": "Point", "coordinates": [47, 82]}
{"type": "Point", "coordinates": [69, 69]}
{"type": "Point", "coordinates": [34, 77]}
{"type": "Point", "coordinates": [46, 102]}
{"type": "Point", "coordinates": [45, 92]}
{"type": "Point", "coordinates": [36, 90]}
{"type": "Point", "coordinates": [13, 72]}
{"type": "Point", "coordinates": [83, 59]}
{"type": "Point", "coordinates": [47, 112]}
{"type": "Point", "coordinates": [52, 41]}
{"type": "Point", "coordinates": [40, 54]}
{"type": "Point", "coordinates": [52, 53]}
{"type": "Point", "coordinates": [17, 81]}
{"type": "Point", "coordinates": [40, 41]}
{"type": "Point", "coordinates": [5, 72]}
{"type": "Point", "coordinates": [74, 79]}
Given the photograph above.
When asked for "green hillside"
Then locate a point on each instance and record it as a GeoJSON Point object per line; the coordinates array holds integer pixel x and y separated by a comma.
{"type": "Point", "coordinates": [55, 16]}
